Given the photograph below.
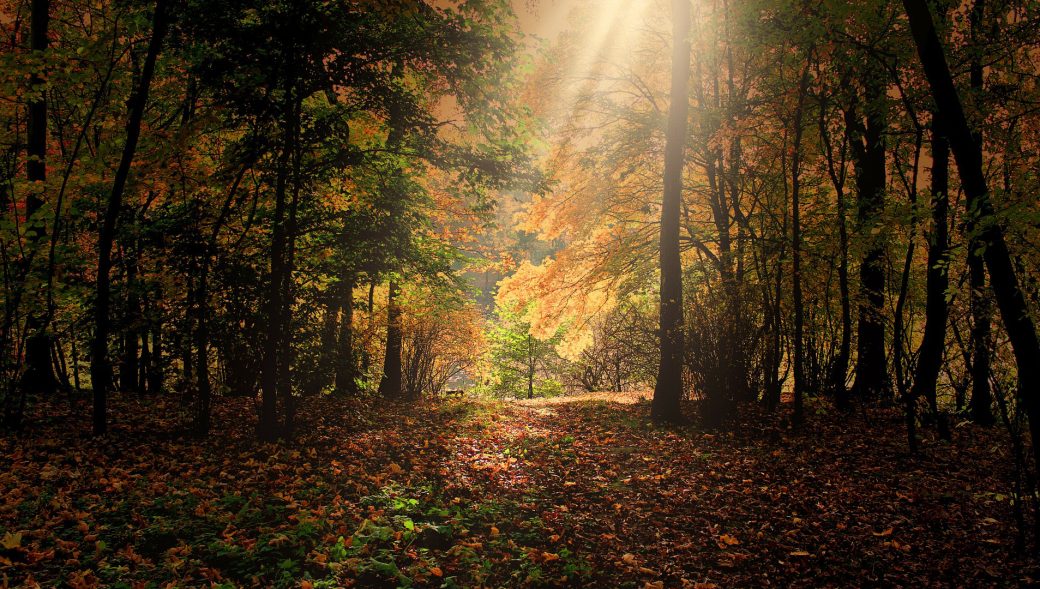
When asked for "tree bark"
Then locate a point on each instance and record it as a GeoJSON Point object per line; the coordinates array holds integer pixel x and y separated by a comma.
{"type": "Point", "coordinates": [840, 369]}
{"type": "Point", "coordinates": [981, 338]}
{"type": "Point", "coordinates": [390, 383]}
{"type": "Point", "coordinates": [930, 353]}
{"type": "Point", "coordinates": [100, 368]}
{"type": "Point", "coordinates": [868, 148]}
{"type": "Point", "coordinates": [270, 368]}
{"type": "Point", "coordinates": [346, 364]}
{"type": "Point", "coordinates": [530, 366]}
{"type": "Point", "coordinates": [967, 152]}
{"type": "Point", "coordinates": [796, 251]}
{"type": "Point", "coordinates": [128, 367]}
{"type": "Point", "coordinates": [668, 390]}
{"type": "Point", "coordinates": [981, 403]}
{"type": "Point", "coordinates": [38, 374]}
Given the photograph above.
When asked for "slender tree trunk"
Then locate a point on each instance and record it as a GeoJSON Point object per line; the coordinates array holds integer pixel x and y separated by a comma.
{"type": "Point", "coordinates": [981, 307]}
{"type": "Point", "coordinates": [930, 353]}
{"type": "Point", "coordinates": [840, 368]}
{"type": "Point", "coordinates": [390, 383]}
{"type": "Point", "coordinates": [286, 356]}
{"type": "Point", "coordinates": [270, 368]}
{"type": "Point", "coordinates": [156, 367]}
{"type": "Point", "coordinates": [146, 362]}
{"type": "Point", "coordinates": [796, 250]}
{"type": "Point", "coordinates": [366, 356]}
{"type": "Point", "coordinates": [346, 365]}
{"type": "Point", "coordinates": [100, 368]}
{"type": "Point", "coordinates": [868, 149]}
{"type": "Point", "coordinates": [773, 391]}
{"type": "Point", "coordinates": [981, 338]}
{"type": "Point", "coordinates": [128, 367]}
{"type": "Point", "coordinates": [668, 390]}
{"type": "Point", "coordinates": [204, 401]}
{"type": "Point", "coordinates": [530, 366]}
{"type": "Point", "coordinates": [38, 374]}
{"type": "Point", "coordinates": [968, 154]}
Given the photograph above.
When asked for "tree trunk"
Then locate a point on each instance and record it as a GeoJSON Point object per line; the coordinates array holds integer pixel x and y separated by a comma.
{"type": "Point", "coordinates": [128, 367]}
{"type": "Point", "coordinates": [981, 307]}
{"type": "Point", "coordinates": [156, 367]}
{"type": "Point", "coordinates": [530, 366]}
{"type": "Point", "coordinates": [100, 368]}
{"type": "Point", "coordinates": [968, 154]}
{"type": "Point", "coordinates": [390, 383]}
{"type": "Point", "coordinates": [840, 369]}
{"type": "Point", "coordinates": [204, 401]}
{"type": "Point", "coordinates": [346, 365]}
{"type": "Point", "coordinates": [796, 251]}
{"type": "Point", "coordinates": [38, 374]}
{"type": "Point", "coordinates": [668, 390]}
{"type": "Point", "coordinates": [868, 148]}
{"type": "Point", "coordinates": [930, 353]}
{"type": "Point", "coordinates": [981, 339]}
{"type": "Point", "coordinates": [270, 368]}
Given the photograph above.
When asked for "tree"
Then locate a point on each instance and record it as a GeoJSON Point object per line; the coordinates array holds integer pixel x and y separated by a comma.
{"type": "Point", "coordinates": [521, 364]}
{"type": "Point", "coordinates": [100, 367]}
{"type": "Point", "coordinates": [668, 391]}
{"type": "Point", "coordinates": [968, 155]}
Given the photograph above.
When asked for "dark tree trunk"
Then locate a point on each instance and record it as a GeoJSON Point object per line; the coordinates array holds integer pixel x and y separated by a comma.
{"type": "Point", "coordinates": [270, 368]}
{"type": "Point", "coordinates": [668, 390]}
{"type": "Point", "coordinates": [346, 365]}
{"type": "Point", "coordinates": [930, 353]}
{"type": "Point", "coordinates": [286, 356]}
{"type": "Point", "coordinates": [981, 403]}
{"type": "Point", "coordinates": [146, 363]}
{"type": "Point", "coordinates": [100, 368]}
{"type": "Point", "coordinates": [128, 367]}
{"type": "Point", "coordinates": [968, 154]}
{"type": "Point", "coordinates": [38, 374]}
{"type": "Point", "coordinates": [773, 386]}
{"type": "Point", "coordinates": [366, 357]}
{"type": "Point", "coordinates": [981, 339]}
{"type": "Point", "coordinates": [868, 148]}
{"type": "Point", "coordinates": [156, 367]}
{"type": "Point", "coordinates": [796, 251]}
{"type": "Point", "coordinates": [390, 383]}
{"type": "Point", "coordinates": [204, 388]}
{"type": "Point", "coordinates": [836, 170]}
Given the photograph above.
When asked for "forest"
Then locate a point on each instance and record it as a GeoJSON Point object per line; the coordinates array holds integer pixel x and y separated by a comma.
{"type": "Point", "coordinates": [519, 293]}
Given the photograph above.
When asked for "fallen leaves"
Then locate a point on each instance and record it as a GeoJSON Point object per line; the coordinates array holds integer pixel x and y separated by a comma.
{"type": "Point", "coordinates": [725, 541]}
{"type": "Point", "coordinates": [11, 540]}
{"type": "Point", "coordinates": [588, 493]}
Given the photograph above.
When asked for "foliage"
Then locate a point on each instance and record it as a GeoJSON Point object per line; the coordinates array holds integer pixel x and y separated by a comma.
{"type": "Point", "coordinates": [521, 363]}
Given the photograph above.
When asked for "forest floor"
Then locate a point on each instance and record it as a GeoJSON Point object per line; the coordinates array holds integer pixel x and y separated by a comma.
{"type": "Point", "coordinates": [473, 493]}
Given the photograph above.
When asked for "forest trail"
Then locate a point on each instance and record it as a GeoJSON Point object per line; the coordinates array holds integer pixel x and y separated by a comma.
{"type": "Point", "coordinates": [469, 493]}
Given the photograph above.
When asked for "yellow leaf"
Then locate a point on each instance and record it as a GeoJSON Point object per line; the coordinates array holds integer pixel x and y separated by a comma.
{"type": "Point", "coordinates": [727, 540]}
{"type": "Point", "coordinates": [11, 541]}
{"type": "Point", "coordinates": [800, 553]}
{"type": "Point", "coordinates": [494, 531]}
